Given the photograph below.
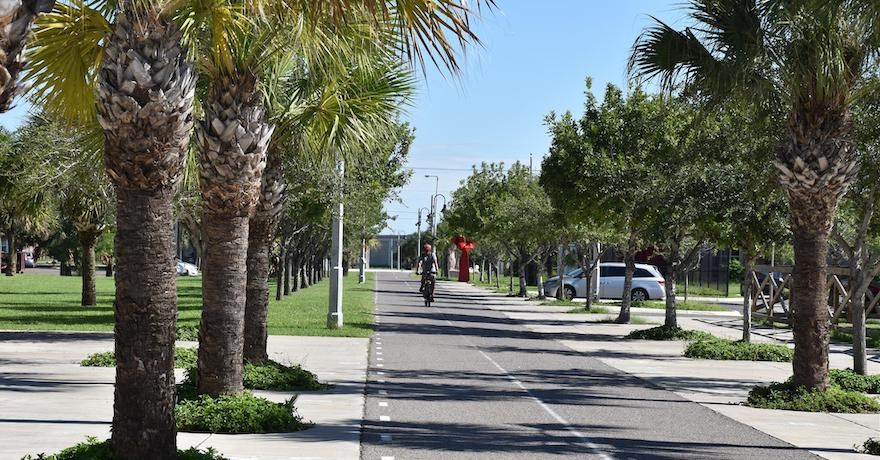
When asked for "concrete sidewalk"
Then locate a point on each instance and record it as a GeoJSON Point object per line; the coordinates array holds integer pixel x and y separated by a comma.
{"type": "Point", "coordinates": [718, 385]}
{"type": "Point", "coordinates": [51, 402]}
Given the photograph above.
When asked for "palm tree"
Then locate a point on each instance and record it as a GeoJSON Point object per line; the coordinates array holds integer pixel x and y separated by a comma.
{"type": "Point", "coordinates": [810, 60]}
{"type": "Point", "coordinates": [325, 105]}
{"type": "Point", "coordinates": [16, 19]}
{"type": "Point", "coordinates": [128, 59]}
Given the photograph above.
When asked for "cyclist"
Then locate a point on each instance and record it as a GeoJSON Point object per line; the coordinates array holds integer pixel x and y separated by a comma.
{"type": "Point", "coordinates": [427, 266]}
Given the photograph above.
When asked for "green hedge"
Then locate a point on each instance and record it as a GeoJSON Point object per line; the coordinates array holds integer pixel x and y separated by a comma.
{"type": "Point", "coordinates": [92, 449]}
{"type": "Point", "coordinates": [184, 358]}
{"type": "Point", "coordinates": [723, 349]}
{"type": "Point", "coordinates": [668, 333]}
{"type": "Point", "coordinates": [787, 396]}
{"type": "Point", "coordinates": [273, 375]}
{"type": "Point", "coordinates": [244, 413]}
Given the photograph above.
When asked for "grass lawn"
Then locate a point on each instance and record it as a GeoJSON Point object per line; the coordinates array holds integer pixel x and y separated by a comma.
{"type": "Point", "coordinates": [661, 305]}
{"type": "Point", "coordinates": [51, 303]}
{"type": "Point", "coordinates": [504, 282]}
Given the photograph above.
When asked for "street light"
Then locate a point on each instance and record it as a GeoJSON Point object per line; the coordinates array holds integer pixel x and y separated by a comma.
{"type": "Point", "coordinates": [419, 234]}
{"type": "Point", "coordinates": [433, 214]}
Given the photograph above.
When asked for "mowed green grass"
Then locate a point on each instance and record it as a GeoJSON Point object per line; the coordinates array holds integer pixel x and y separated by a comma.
{"type": "Point", "coordinates": [52, 303]}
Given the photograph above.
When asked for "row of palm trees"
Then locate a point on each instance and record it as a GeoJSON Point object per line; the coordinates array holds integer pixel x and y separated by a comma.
{"type": "Point", "coordinates": [153, 72]}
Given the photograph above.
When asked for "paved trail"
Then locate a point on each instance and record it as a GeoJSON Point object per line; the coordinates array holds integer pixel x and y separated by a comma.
{"type": "Point", "coordinates": [458, 380]}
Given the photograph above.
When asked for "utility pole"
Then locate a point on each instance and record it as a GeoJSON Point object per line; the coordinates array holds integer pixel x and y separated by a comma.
{"type": "Point", "coordinates": [334, 316]}
{"type": "Point", "coordinates": [398, 250]}
{"type": "Point", "coordinates": [433, 215]}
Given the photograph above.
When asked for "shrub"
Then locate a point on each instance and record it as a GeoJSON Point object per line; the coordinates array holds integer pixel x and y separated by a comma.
{"type": "Point", "coordinates": [272, 375]}
{"type": "Point", "coordinates": [870, 447]}
{"type": "Point", "coordinates": [188, 332]}
{"type": "Point", "coordinates": [722, 349]}
{"type": "Point", "coordinates": [668, 333]}
{"type": "Point", "coordinates": [787, 396]}
{"type": "Point", "coordinates": [92, 449]}
{"type": "Point", "coordinates": [184, 358]}
{"type": "Point", "coordinates": [850, 381]}
{"type": "Point", "coordinates": [244, 413]}
{"type": "Point", "coordinates": [103, 359]}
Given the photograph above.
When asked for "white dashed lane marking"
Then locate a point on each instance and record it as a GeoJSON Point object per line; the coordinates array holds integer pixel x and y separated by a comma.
{"type": "Point", "coordinates": [384, 418]}
{"type": "Point", "coordinates": [383, 404]}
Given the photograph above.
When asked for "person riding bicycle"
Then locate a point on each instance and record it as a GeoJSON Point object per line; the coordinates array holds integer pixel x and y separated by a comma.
{"type": "Point", "coordinates": [427, 266]}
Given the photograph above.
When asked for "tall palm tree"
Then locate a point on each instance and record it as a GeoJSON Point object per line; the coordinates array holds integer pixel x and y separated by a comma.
{"type": "Point", "coordinates": [810, 60]}
{"type": "Point", "coordinates": [16, 19]}
{"type": "Point", "coordinates": [324, 105]}
{"type": "Point", "coordinates": [128, 59]}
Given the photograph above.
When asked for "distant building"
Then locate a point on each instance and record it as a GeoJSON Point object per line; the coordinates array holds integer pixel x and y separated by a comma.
{"type": "Point", "coordinates": [383, 252]}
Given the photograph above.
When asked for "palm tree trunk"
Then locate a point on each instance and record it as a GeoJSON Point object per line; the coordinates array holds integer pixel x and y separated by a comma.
{"type": "Point", "coordinates": [145, 314]}
{"type": "Point", "coordinates": [260, 237]}
{"type": "Point", "coordinates": [232, 142]}
{"type": "Point", "coordinates": [810, 319]}
{"type": "Point", "coordinates": [13, 38]}
{"type": "Point", "coordinates": [857, 309]}
{"type": "Point", "coordinates": [221, 334]}
{"type": "Point", "coordinates": [288, 268]}
{"type": "Point", "coordinates": [256, 309]}
{"type": "Point", "coordinates": [279, 274]}
{"type": "Point", "coordinates": [87, 241]}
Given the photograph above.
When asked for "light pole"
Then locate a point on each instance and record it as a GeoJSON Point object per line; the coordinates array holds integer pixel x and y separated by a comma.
{"type": "Point", "coordinates": [433, 214]}
{"type": "Point", "coordinates": [334, 316]}
{"type": "Point", "coordinates": [398, 251]}
{"type": "Point", "coordinates": [419, 234]}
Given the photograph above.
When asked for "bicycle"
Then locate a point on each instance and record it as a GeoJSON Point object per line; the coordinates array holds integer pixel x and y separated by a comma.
{"type": "Point", "coordinates": [428, 291]}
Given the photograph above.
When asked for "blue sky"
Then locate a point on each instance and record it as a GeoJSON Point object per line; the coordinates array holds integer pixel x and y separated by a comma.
{"type": "Point", "coordinates": [535, 57]}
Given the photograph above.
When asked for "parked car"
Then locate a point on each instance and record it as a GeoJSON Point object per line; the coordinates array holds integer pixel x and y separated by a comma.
{"type": "Point", "coordinates": [648, 283]}
{"type": "Point", "coordinates": [186, 269]}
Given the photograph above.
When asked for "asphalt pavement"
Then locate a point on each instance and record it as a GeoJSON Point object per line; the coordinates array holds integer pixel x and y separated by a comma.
{"type": "Point", "coordinates": [458, 380]}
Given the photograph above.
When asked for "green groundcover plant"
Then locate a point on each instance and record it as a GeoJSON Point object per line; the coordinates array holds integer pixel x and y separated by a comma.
{"type": "Point", "coordinates": [668, 333]}
{"type": "Point", "coordinates": [243, 413]}
{"type": "Point", "coordinates": [270, 375]}
{"type": "Point", "coordinates": [847, 379]}
{"type": "Point", "coordinates": [870, 447]}
{"type": "Point", "coordinates": [92, 449]}
{"type": "Point", "coordinates": [184, 358]}
{"type": "Point", "coordinates": [723, 349]}
{"type": "Point", "coordinates": [787, 396]}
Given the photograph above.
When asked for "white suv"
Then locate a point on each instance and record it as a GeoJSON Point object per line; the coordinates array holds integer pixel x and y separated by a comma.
{"type": "Point", "coordinates": [648, 283]}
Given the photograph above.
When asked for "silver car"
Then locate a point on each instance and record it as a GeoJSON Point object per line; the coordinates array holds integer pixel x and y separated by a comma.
{"type": "Point", "coordinates": [648, 283]}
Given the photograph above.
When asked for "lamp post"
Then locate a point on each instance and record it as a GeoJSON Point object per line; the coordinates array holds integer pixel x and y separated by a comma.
{"type": "Point", "coordinates": [433, 214]}
{"type": "Point", "coordinates": [334, 316]}
{"type": "Point", "coordinates": [419, 234]}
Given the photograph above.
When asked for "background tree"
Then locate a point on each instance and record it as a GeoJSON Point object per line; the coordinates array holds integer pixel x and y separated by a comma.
{"type": "Point", "coordinates": [811, 58]}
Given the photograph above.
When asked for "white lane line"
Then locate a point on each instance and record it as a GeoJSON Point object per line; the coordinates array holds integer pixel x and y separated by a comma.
{"type": "Point", "coordinates": [385, 437]}
{"type": "Point", "coordinates": [380, 365]}
{"type": "Point", "coordinates": [386, 457]}
{"type": "Point", "coordinates": [381, 380]}
{"type": "Point", "coordinates": [380, 373]}
{"type": "Point", "coordinates": [383, 404]}
{"type": "Point", "coordinates": [379, 352]}
{"type": "Point", "coordinates": [568, 426]}
{"type": "Point", "coordinates": [380, 359]}
{"type": "Point", "coordinates": [383, 392]}
{"type": "Point", "coordinates": [584, 439]}
{"type": "Point", "coordinates": [384, 418]}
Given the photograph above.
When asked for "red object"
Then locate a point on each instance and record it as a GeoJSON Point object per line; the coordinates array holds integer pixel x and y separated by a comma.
{"type": "Point", "coordinates": [464, 263]}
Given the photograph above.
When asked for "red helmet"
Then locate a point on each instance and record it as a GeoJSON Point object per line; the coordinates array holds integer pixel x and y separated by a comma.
{"type": "Point", "coordinates": [427, 247]}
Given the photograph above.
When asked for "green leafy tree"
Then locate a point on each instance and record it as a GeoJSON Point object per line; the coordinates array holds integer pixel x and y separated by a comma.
{"type": "Point", "coordinates": [811, 60]}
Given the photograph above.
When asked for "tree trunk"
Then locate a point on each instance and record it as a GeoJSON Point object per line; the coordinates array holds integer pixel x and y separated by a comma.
{"type": "Point", "coordinates": [671, 275]}
{"type": "Point", "coordinates": [17, 20]}
{"type": "Point", "coordinates": [256, 310]}
{"type": "Point", "coordinates": [748, 260]}
{"type": "Point", "coordinates": [109, 270]}
{"type": "Point", "coordinates": [809, 303]}
{"type": "Point", "coordinates": [629, 260]}
{"type": "Point", "coordinates": [523, 291]}
{"type": "Point", "coordinates": [279, 274]}
{"type": "Point", "coordinates": [498, 275]}
{"type": "Point", "coordinates": [288, 268]}
{"type": "Point", "coordinates": [221, 331]}
{"type": "Point", "coordinates": [11, 261]}
{"type": "Point", "coordinates": [857, 309]}
{"type": "Point", "coordinates": [87, 241]}
{"type": "Point", "coordinates": [145, 313]}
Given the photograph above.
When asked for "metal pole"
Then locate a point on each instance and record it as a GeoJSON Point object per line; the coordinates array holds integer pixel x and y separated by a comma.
{"type": "Point", "coordinates": [419, 237]}
{"type": "Point", "coordinates": [334, 316]}
{"type": "Point", "coordinates": [398, 251]}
